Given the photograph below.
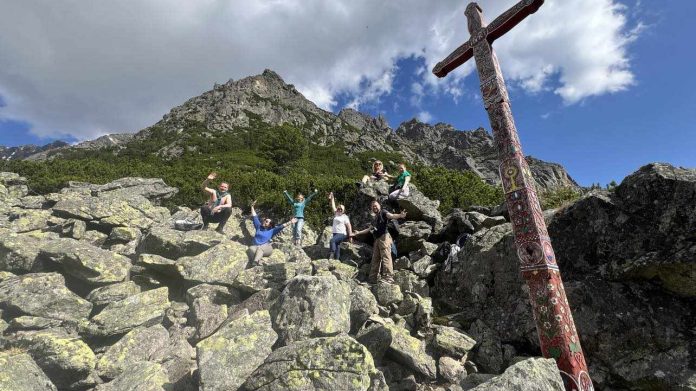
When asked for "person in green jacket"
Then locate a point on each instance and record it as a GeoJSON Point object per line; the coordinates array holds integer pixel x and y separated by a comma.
{"type": "Point", "coordinates": [298, 206]}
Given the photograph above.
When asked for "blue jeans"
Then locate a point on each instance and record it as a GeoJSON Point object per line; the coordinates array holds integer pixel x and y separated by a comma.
{"type": "Point", "coordinates": [335, 244]}
{"type": "Point", "coordinates": [297, 229]}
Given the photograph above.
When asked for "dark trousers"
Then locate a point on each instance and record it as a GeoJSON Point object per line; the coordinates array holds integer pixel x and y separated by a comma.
{"type": "Point", "coordinates": [335, 245]}
{"type": "Point", "coordinates": [220, 217]}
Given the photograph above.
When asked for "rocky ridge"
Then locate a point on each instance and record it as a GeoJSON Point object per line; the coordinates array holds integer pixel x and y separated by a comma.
{"type": "Point", "coordinates": [235, 105]}
{"type": "Point", "coordinates": [110, 296]}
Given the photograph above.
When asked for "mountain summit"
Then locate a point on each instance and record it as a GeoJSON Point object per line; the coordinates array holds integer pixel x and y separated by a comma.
{"type": "Point", "coordinates": [239, 107]}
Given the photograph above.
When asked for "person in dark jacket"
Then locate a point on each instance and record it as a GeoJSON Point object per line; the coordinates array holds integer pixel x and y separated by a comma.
{"type": "Point", "coordinates": [218, 209]}
{"type": "Point", "coordinates": [381, 267]}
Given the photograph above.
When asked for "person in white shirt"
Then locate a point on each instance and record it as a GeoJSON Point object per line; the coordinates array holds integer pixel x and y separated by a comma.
{"type": "Point", "coordinates": [340, 229]}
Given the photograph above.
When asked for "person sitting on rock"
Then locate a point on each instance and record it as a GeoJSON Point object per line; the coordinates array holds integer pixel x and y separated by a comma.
{"type": "Point", "coordinates": [298, 206]}
{"type": "Point", "coordinates": [262, 238]}
{"type": "Point", "coordinates": [340, 229]}
{"type": "Point", "coordinates": [378, 173]}
{"type": "Point", "coordinates": [400, 188]}
{"type": "Point", "coordinates": [218, 209]}
{"type": "Point", "coordinates": [381, 267]}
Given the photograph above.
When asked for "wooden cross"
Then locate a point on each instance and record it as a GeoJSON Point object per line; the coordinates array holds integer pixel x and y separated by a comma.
{"type": "Point", "coordinates": [555, 326]}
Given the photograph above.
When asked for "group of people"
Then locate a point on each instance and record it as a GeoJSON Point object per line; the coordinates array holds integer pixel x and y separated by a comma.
{"type": "Point", "coordinates": [218, 210]}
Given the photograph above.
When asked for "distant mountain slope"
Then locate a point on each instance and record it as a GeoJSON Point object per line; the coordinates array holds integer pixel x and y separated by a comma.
{"type": "Point", "coordinates": [239, 108]}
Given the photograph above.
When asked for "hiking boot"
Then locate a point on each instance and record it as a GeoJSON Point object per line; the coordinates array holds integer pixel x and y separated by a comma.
{"type": "Point", "coordinates": [205, 227]}
{"type": "Point", "coordinates": [220, 230]}
{"type": "Point", "coordinates": [388, 280]}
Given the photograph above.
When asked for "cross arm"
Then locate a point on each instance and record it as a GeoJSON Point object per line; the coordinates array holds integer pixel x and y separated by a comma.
{"type": "Point", "coordinates": [510, 18]}
{"type": "Point", "coordinates": [458, 57]}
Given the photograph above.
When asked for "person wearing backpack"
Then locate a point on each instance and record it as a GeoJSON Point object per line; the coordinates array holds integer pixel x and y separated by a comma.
{"type": "Point", "coordinates": [218, 209]}
{"type": "Point", "coordinates": [381, 267]}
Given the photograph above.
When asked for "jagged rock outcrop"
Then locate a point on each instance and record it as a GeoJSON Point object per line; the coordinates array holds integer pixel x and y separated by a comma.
{"type": "Point", "coordinates": [622, 252]}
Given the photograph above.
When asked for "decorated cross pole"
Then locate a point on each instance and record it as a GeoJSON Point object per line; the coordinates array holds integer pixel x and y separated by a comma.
{"type": "Point", "coordinates": [555, 326]}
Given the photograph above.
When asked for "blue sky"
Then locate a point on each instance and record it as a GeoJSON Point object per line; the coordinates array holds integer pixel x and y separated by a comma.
{"type": "Point", "coordinates": [371, 57]}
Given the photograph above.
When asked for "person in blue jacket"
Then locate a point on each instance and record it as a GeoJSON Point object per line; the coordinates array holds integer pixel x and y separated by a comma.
{"type": "Point", "coordinates": [298, 206]}
{"type": "Point", "coordinates": [262, 238]}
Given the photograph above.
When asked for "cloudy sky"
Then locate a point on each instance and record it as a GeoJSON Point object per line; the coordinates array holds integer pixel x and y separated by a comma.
{"type": "Point", "coordinates": [600, 86]}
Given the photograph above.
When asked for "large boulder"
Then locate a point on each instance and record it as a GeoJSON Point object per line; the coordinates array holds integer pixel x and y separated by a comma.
{"type": "Point", "coordinates": [19, 252]}
{"type": "Point", "coordinates": [411, 235]}
{"type": "Point", "coordinates": [85, 262]}
{"type": "Point", "coordinates": [143, 309]}
{"type": "Point", "coordinates": [143, 376]}
{"type": "Point", "coordinates": [140, 344]}
{"type": "Point", "coordinates": [534, 374]}
{"type": "Point", "coordinates": [19, 372]}
{"type": "Point", "coordinates": [362, 305]}
{"type": "Point", "coordinates": [273, 276]}
{"type": "Point", "coordinates": [218, 265]}
{"type": "Point", "coordinates": [26, 220]}
{"type": "Point", "coordinates": [228, 357]}
{"type": "Point", "coordinates": [109, 210]}
{"type": "Point", "coordinates": [330, 363]}
{"type": "Point", "coordinates": [112, 293]}
{"type": "Point", "coordinates": [154, 189]}
{"type": "Point", "coordinates": [410, 352]}
{"type": "Point", "coordinates": [43, 295]}
{"type": "Point", "coordinates": [174, 244]}
{"type": "Point", "coordinates": [65, 359]}
{"type": "Point", "coordinates": [309, 307]}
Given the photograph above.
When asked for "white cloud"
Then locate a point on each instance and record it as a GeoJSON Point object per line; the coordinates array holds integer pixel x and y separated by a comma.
{"type": "Point", "coordinates": [88, 68]}
{"type": "Point", "coordinates": [425, 117]}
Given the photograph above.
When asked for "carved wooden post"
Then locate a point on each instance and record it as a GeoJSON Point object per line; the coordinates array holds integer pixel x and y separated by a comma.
{"type": "Point", "coordinates": [555, 326]}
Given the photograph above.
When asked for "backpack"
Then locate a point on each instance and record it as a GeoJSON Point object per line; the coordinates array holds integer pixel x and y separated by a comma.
{"type": "Point", "coordinates": [187, 225]}
{"type": "Point", "coordinates": [393, 229]}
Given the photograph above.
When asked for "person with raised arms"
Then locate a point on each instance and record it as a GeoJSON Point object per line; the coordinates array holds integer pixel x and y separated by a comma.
{"type": "Point", "coordinates": [265, 231]}
{"type": "Point", "coordinates": [340, 229]}
{"type": "Point", "coordinates": [298, 207]}
{"type": "Point", "coordinates": [218, 208]}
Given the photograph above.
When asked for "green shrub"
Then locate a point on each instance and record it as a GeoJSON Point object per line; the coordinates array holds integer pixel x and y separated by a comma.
{"type": "Point", "coordinates": [558, 198]}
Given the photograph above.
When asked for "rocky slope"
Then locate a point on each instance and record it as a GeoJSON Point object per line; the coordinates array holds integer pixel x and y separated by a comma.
{"type": "Point", "coordinates": [27, 151]}
{"type": "Point", "coordinates": [236, 106]}
{"type": "Point", "coordinates": [98, 291]}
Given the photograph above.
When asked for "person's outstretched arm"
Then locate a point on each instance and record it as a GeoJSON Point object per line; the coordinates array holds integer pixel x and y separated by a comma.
{"type": "Point", "coordinates": [333, 202]}
{"type": "Point", "coordinates": [287, 195]}
{"type": "Point", "coordinates": [363, 231]}
{"type": "Point", "coordinates": [349, 231]}
{"type": "Point", "coordinates": [280, 227]}
{"type": "Point", "coordinates": [206, 182]}
{"type": "Point", "coordinates": [309, 198]}
{"type": "Point", "coordinates": [254, 217]}
{"type": "Point", "coordinates": [401, 215]}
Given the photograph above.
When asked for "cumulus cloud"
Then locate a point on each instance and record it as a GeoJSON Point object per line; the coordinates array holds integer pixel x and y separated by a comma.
{"type": "Point", "coordinates": [95, 67]}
